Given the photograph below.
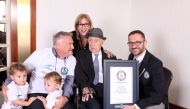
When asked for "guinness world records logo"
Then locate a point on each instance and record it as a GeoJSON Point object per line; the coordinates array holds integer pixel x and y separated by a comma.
{"type": "Point", "coordinates": [121, 75]}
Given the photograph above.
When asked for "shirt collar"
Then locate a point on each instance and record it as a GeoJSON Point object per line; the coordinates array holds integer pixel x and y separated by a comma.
{"type": "Point", "coordinates": [140, 57]}
{"type": "Point", "coordinates": [100, 54]}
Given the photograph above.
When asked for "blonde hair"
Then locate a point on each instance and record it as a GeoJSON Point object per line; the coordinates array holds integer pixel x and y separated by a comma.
{"type": "Point", "coordinates": [80, 17]}
{"type": "Point", "coordinates": [53, 76]}
{"type": "Point", "coordinates": [17, 67]}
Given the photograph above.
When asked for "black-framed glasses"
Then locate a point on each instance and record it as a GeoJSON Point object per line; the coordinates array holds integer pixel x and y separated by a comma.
{"type": "Point", "coordinates": [137, 43]}
{"type": "Point", "coordinates": [83, 24]}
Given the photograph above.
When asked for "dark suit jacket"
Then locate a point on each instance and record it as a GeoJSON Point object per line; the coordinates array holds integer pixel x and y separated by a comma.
{"type": "Point", "coordinates": [84, 70]}
{"type": "Point", "coordinates": [151, 82]}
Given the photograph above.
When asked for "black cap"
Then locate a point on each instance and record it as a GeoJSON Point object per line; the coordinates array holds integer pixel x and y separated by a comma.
{"type": "Point", "coordinates": [96, 32]}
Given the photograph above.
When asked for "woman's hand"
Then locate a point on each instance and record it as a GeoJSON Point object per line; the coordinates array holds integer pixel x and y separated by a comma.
{"type": "Point", "coordinates": [109, 54]}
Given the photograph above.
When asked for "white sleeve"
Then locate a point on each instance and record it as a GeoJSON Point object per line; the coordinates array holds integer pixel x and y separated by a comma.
{"type": "Point", "coordinates": [12, 93]}
{"type": "Point", "coordinates": [50, 101]}
{"type": "Point", "coordinates": [72, 65]}
{"type": "Point", "coordinates": [31, 60]}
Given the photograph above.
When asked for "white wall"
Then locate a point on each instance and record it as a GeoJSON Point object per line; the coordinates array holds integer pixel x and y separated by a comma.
{"type": "Point", "coordinates": [165, 23]}
{"type": "Point", "coordinates": [110, 15]}
{"type": "Point", "coordinates": [167, 26]}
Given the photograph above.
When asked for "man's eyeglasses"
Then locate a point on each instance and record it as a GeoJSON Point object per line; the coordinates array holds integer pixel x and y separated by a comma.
{"type": "Point", "coordinates": [83, 24]}
{"type": "Point", "coordinates": [137, 43]}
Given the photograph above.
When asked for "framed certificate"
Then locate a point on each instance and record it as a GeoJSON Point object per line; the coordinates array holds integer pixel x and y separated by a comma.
{"type": "Point", "coordinates": [121, 83]}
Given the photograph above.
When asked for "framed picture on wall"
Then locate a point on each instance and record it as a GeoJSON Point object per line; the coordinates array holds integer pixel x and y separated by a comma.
{"type": "Point", "coordinates": [121, 83]}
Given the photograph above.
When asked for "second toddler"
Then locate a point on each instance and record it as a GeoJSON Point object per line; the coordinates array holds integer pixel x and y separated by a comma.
{"type": "Point", "coordinates": [52, 82]}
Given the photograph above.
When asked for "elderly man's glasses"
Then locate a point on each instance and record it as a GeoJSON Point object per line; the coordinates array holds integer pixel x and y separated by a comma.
{"type": "Point", "coordinates": [83, 24]}
{"type": "Point", "coordinates": [137, 43]}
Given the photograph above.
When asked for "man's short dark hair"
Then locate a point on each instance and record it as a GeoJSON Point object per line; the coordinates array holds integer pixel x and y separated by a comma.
{"type": "Point", "coordinates": [137, 32]}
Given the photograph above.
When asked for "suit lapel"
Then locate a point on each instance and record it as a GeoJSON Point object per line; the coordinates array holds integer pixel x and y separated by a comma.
{"type": "Point", "coordinates": [104, 56]}
{"type": "Point", "coordinates": [144, 62]}
{"type": "Point", "coordinates": [90, 60]}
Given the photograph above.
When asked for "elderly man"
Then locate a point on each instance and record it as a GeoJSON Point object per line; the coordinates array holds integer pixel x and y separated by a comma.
{"type": "Point", "coordinates": [89, 70]}
{"type": "Point", "coordinates": [151, 78]}
{"type": "Point", "coordinates": [60, 59]}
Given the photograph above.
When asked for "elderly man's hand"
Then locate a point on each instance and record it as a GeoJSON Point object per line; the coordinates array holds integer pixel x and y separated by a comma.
{"type": "Point", "coordinates": [86, 97]}
{"type": "Point", "coordinates": [61, 101]}
{"type": "Point", "coordinates": [87, 93]}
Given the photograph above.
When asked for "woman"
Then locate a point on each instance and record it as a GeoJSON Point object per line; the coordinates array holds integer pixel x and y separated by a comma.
{"type": "Point", "coordinates": [83, 24]}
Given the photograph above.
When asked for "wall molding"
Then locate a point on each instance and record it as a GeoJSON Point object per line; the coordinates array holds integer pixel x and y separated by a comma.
{"type": "Point", "coordinates": [174, 106]}
{"type": "Point", "coordinates": [14, 29]}
{"type": "Point", "coordinates": [33, 25]}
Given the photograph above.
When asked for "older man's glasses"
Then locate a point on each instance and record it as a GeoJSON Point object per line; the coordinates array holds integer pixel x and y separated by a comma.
{"type": "Point", "coordinates": [83, 24]}
{"type": "Point", "coordinates": [137, 43]}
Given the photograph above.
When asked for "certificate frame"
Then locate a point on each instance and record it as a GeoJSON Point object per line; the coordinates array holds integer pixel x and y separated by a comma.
{"type": "Point", "coordinates": [123, 75]}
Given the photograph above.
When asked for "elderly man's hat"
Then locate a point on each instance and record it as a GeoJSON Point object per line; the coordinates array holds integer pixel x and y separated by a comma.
{"type": "Point", "coordinates": [96, 32]}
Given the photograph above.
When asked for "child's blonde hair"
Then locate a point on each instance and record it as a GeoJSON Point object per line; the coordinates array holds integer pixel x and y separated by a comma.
{"type": "Point", "coordinates": [17, 67]}
{"type": "Point", "coordinates": [53, 76]}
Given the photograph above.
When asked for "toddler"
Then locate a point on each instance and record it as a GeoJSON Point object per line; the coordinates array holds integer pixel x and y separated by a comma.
{"type": "Point", "coordinates": [52, 83]}
{"type": "Point", "coordinates": [17, 89]}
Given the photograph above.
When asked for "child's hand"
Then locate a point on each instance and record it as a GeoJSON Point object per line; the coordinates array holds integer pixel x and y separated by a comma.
{"type": "Point", "coordinates": [41, 98]}
{"type": "Point", "coordinates": [31, 99]}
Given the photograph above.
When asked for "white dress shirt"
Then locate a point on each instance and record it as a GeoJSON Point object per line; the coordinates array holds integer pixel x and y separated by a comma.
{"type": "Point", "coordinates": [100, 65]}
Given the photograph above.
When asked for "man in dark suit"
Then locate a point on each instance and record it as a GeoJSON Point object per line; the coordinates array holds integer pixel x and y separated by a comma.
{"type": "Point", "coordinates": [89, 70]}
{"type": "Point", "coordinates": [151, 78]}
